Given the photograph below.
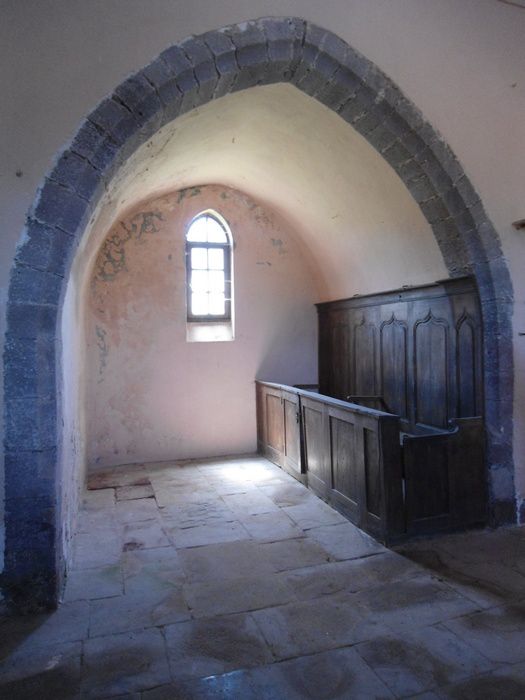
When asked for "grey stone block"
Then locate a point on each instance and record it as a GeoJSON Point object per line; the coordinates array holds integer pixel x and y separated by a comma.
{"type": "Point", "coordinates": [250, 42]}
{"type": "Point", "coordinates": [29, 366]}
{"type": "Point", "coordinates": [495, 313]}
{"type": "Point", "coordinates": [139, 96]}
{"type": "Point", "coordinates": [313, 38]}
{"type": "Point", "coordinates": [339, 89]}
{"type": "Point", "coordinates": [446, 230]}
{"type": "Point", "coordinates": [445, 156]}
{"type": "Point", "coordinates": [381, 137]}
{"type": "Point", "coordinates": [182, 70]}
{"type": "Point", "coordinates": [313, 82]}
{"type": "Point", "coordinates": [30, 474]}
{"type": "Point", "coordinates": [223, 50]}
{"type": "Point", "coordinates": [28, 285]}
{"type": "Point", "coordinates": [204, 67]}
{"type": "Point", "coordinates": [434, 210]}
{"type": "Point", "coordinates": [359, 104]}
{"type": "Point", "coordinates": [366, 122]}
{"type": "Point", "coordinates": [326, 65]}
{"type": "Point", "coordinates": [494, 275]}
{"type": "Point", "coordinates": [77, 174]}
{"type": "Point", "coordinates": [116, 120]}
{"type": "Point", "coordinates": [453, 201]}
{"type": "Point", "coordinates": [26, 513]}
{"type": "Point", "coordinates": [335, 47]}
{"type": "Point", "coordinates": [158, 74]}
{"type": "Point", "coordinates": [410, 114]}
{"type": "Point", "coordinates": [467, 191]}
{"type": "Point", "coordinates": [251, 53]}
{"type": "Point", "coordinates": [284, 40]}
{"type": "Point", "coordinates": [483, 243]}
{"type": "Point", "coordinates": [357, 63]}
{"type": "Point", "coordinates": [29, 581]}
{"type": "Point", "coordinates": [30, 320]}
{"type": "Point", "coordinates": [142, 99]}
{"type": "Point", "coordinates": [96, 146]}
{"type": "Point", "coordinates": [31, 424]}
{"type": "Point", "coordinates": [421, 188]}
{"type": "Point", "coordinates": [465, 223]}
{"type": "Point", "coordinates": [433, 170]}
{"type": "Point", "coordinates": [45, 248]}
{"type": "Point", "coordinates": [409, 170]}
{"type": "Point", "coordinates": [57, 206]}
{"type": "Point", "coordinates": [396, 154]}
{"type": "Point", "coordinates": [413, 143]}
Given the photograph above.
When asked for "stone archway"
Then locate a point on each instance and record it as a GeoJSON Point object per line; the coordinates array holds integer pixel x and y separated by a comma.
{"type": "Point", "coordinates": [184, 76]}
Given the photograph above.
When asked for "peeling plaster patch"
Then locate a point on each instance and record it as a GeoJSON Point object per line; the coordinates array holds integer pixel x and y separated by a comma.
{"type": "Point", "coordinates": [103, 351]}
{"type": "Point", "coordinates": [277, 243]}
{"type": "Point", "coordinates": [112, 257]}
{"type": "Point", "coordinates": [188, 192]}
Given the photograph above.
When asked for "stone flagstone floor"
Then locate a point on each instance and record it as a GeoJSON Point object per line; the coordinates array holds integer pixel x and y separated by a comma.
{"type": "Point", "coordinates": [228, 579]}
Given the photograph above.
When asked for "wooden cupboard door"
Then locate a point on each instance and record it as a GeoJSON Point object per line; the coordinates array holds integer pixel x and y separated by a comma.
{"type": "Point", "coordinates": [292, 432]}
{"type": "Point", "coordinates": [271, 423]}
{"type": "Point", "coordinates": [314, 422]}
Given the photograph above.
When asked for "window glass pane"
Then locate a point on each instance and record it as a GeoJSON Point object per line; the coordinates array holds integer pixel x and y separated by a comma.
{"type": "Point", "coordinates": [216, 259]}
{"type": "Point", "coordinates": [199, 281]}
{"type": "Point", "coordinates": [199, 304]}
{"type": "Point", "coordinates": [216, 234]}
{"type": "Point", "coordinates": [216, 281]}
{"type": "Point", "coordinates": [199, 258]}
{"type": "Point", "coordinates": [198, 231]}
{"type": "Point", "coordinates": [217, 305]}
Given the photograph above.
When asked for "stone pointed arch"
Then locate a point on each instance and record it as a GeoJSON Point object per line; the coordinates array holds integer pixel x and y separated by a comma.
{"type": "Point", "coordinates": [197, 70]}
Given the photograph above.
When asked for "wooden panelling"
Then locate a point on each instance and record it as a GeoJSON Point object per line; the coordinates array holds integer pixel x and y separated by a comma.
{"type": "Point", "coordinates": [274, 422]}
{"type": "Point", "coordinates": [418, 349]}
{"type": "Point", "coordinates": [394, 366]}
{"type": "Point", "coordinates": [314, 444]}
{"type": "Point", "coordinates": [428, 495]}
{"type": "Point", "coordinates": [344, 460]}
{"type": "Point", "coordinates": [467, 366]}
{"type": "Point", "coordinates": [364, 379]}
{"type": "Point", "coordinates": [372, 469]}
{"type": "Point", "coordinates": [351, 458]}
{"type": "Point", "coordinates": [407, 455]}
{"type": "Point", "coordinates": [431, 371]}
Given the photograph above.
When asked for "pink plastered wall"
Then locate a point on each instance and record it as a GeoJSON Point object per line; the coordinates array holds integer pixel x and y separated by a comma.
{"type": "Point", "coordinates": [151, 394]}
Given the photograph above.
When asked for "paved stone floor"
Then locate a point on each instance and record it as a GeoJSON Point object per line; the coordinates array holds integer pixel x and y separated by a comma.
{"type": "Point", "coordinates": [228, 579]}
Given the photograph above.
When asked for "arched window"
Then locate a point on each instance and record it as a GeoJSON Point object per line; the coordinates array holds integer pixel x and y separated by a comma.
{"type": "Point", "coordinates": [208, 268]}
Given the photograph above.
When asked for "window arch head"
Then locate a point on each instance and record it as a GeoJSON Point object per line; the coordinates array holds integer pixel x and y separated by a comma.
{"type": "Point", "coordinates": [208, 268]}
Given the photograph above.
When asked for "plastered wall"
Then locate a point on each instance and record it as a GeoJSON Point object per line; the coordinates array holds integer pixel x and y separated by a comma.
{"type": "Point", "coordinates": [151, 394]}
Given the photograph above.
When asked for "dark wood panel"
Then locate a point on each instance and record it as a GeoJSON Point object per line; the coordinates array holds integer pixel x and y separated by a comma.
{"type": "Point", "coordinates": [409, 347]}
{"type": "Point", "coordinates": [467, 458]}
{"type": "Point", "coordinates": [314, 442]}
{"type": "Point", "coordinates": [372, 472]}
{"type": "Point", "coordinates": [364, 380]}
{"type": "Point", "coordinates": [427, 481]}
{"type": "Point", "coordinates": [431, 371]}
{"type": "Point", "coordinates": [343, 458]}
{"type": "Point", "coordinates": [274, 422]}
{"type": "Point", "coordinates": [394, 369]}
